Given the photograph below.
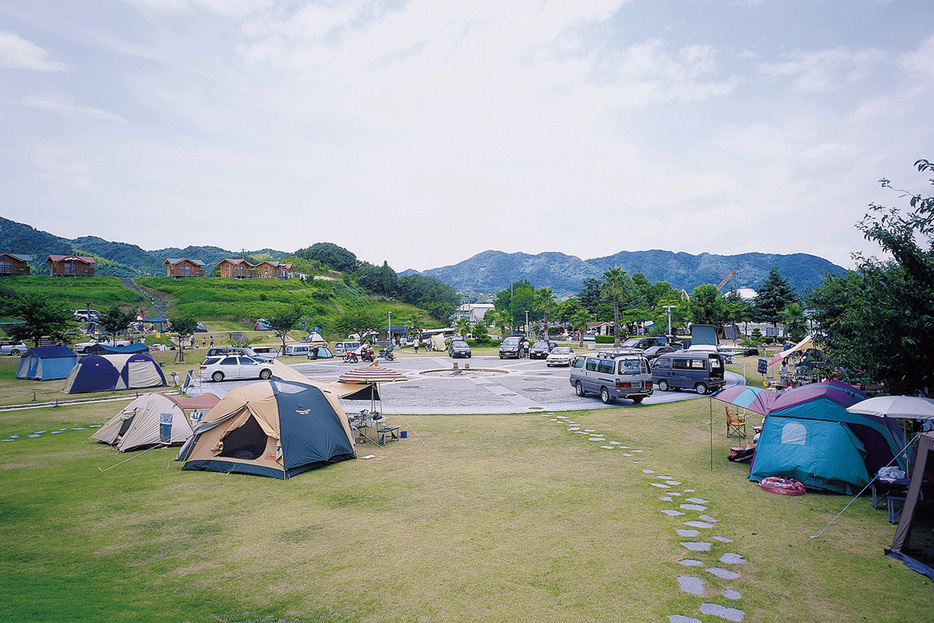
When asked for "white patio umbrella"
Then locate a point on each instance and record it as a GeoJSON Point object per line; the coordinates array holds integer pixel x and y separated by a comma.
{"type": "Point", "coordinates": [906, 407]}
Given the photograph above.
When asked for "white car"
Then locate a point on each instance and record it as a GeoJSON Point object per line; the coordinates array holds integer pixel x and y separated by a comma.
{"type": "Point", "coordinates": [560, 356]}
{"type": "Point", "coordinates": [12, 348]}
{"type": "Point", "coordinates": [82, 347]}
{"type": "Point", "coordinates": [235, 367]}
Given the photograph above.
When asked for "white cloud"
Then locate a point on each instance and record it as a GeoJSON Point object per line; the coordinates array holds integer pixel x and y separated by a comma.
{"type": "Point", "coordinates": [821, 71]}
{"type": "Point", "coordinates": [19, 53]}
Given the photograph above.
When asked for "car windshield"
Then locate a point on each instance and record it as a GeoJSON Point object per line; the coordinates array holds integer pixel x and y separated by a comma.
{"type": "Point", "coordinates": [540, 345]}
{"type": "Point", "coordinates": [633, 341]}
{"type": "Point", "coordinates": [562, 350]}
{"type": "Point", "coordinates": [459, 344]}
{"type": "Point", "coordinates": [511, 341]}
{"type": "Point", "coordinates": [629, 366]}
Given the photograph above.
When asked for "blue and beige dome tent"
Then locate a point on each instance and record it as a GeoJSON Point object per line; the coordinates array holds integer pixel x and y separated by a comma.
{"type": "Point", "coordinates": [45, 363]}
{"type": "Point", "coordinates": [105, 373]}
{"type": "Point", "coordinates": [277, 428]}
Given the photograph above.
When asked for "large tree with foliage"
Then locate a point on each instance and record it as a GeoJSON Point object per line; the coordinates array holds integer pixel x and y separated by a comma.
{"type": "Point", "coordinates": [331, 255]}
{"type": "Point", "coordinates": [707, 306]}
{"type": "Point", "coordinates": [433, 295]}
{"type": "Point", "coordinates": [116, 321]}
{"type": "Point", "coordinates": [773, 296]}
{"type": "Point", "coordinates": [545, 304]}
{"type": "Point", "coordinates": [878, 319]}
{"type": "Point", "coordinates": [358, 320]}
{"type": "Point", "coordinates": [616, 285]}
{"type": "Point", "coordinates": [518, 299]}
{"type": "Point", "coordinates": [40, 317]}
{"type": "Point", "coordinates": [591, 295]}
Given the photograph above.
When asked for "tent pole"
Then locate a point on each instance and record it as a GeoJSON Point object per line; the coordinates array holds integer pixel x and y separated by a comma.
{"type": "Point", "coordinates": [897, 454]}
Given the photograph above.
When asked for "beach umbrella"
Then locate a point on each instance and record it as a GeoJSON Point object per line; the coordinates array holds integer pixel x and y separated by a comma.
{"type": "Point", "coordinates": [756, 399]}
{"type": "Point", "coordinates": [372, 373]}
{"type": "Point", "coordinates": [907, 407]}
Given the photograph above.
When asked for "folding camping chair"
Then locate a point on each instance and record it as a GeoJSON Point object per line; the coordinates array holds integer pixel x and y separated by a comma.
{"type": "Point", "coordinates": [735, 424]}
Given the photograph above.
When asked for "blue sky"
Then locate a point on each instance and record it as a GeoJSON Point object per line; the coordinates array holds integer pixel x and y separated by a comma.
{"type": "Point", "coordinates": [424, 132]}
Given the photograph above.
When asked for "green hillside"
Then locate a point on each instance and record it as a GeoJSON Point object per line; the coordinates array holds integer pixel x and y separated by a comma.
{"type": "Point", "coordinates": [101, 292]}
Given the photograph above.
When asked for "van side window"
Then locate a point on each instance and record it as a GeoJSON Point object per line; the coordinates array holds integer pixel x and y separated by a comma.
{"type": "Point", "coordinates": [644, 366]}
{"type": "Point", "coordinates": [698, 364]}
{"type": "Point", "coordinates": [605, 367]}
{"type": "Point", "coordinates": [591, 364]}
{"type": "Point", "coordinates": [679, 364]}
{"type": "Point", "coordinates": [579, 362]}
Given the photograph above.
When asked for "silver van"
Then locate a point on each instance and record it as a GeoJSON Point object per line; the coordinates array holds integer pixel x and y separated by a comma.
{"type": "Point", "coordinates": [345, 347]}
{"type": "Point", "coordinates": [624, 376]}
{"type": "Point", "coordinates": [297, 350]}
{"type": "Point", "coordinates": [701, 371]}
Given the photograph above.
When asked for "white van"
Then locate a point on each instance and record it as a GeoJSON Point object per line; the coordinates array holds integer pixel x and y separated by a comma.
{"type": "Point", "coordinates": [345, 347]}
{"type": "Point", "coordinates": [623, 376]}
{"type": "Point", "coordinates": [297, 350]}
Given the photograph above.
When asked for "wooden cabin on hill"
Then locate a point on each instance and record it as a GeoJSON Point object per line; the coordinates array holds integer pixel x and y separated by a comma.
{"type": "Point", "coordinates": [183, 267]}
{"type": "Point", "coordinates": [71, 265]}
{"type": "Point", "coordinates": [14, 264]}
{"type": "Point", "coordinates": [236, 268]}
{"type": "Point", "coordinates": [271, 268]}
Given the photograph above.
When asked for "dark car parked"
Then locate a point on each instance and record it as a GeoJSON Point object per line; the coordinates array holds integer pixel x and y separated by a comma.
{"type": "Point", "coordinates": [512, 346]}
{"type": "Point", "coordinates": [652, 352]}
{"type": "Point", "coordinates": [541, 349]}
{"type": "Point", "coordinates": [459, 348]}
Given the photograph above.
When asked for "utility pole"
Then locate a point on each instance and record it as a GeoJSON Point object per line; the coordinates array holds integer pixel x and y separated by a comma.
{"type": "Point", "coordinates": [669, 308]}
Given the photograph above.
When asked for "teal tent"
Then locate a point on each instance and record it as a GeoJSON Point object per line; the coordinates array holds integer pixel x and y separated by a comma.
{"type": "Point", "coordinates": [44, 363]}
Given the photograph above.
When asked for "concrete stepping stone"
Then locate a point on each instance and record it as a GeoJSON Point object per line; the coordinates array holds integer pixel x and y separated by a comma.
{"type": "Point", "coordinates": [708, 518]}
{"type": "Point", "coordinates": [690, 562]}
{"type": "Point", "coordinates": [626, 454]}
{"type": "Point", "coordinates": [637, 451]}
{"type": "Point", "coordinates": [691, 584]}
{"type": "Point", "coordinates": [7, 440]}
{"type": "Point", "coordinates": [674, 493]}
{"type": "Point", "coordinates": [654, 484]}
{"type": "Point", "coordinates": [56, 432]}
{"type": "Point", "coordinates": [624, 447]}
{"type": "Point", "coordinates": [589, 430]}
{"type": "Point", "coordinates": [600, 439]}
{"type": "Point", "coordinates": [560, 417]}
{"type": "Point", "coordinates": [79, 428]}
{"type": "Point", "coordinates": [689, 490]}
{"type": "Point", "coordinates": [693, 507]}
{"type": "Point", "coordinates": [39, 432]}
{"type": "Point", "coordinates": [698, 500]}
{"type": "Point", "coordinates": [95, 425]}
{"type": "Point", "coordinates": [607, 447]}
{"type": "Point", "coordinates": [33, 436]}
{"type": "Point", "coordinates": [698, 524]}
{"type": "Point", "coordinates": [616, 443]}
{"type": "Point", "coordinates": [648, 471]}
{"type": "Point", "coordinates": [688, 533]}
{"type": "Point", "coordinates": [696, 546]}
{"type": "Point", "coordinates": [573, 428]}
{"type": "Point", "coordinates": [663, 498]}
{"type": "Point", "coordinates": [680, 618]}
{"type": "Point", "coordinates": [731, 594]}
{"type": "Point", "coordinates": [673, 483]}
{"type": "Point", "coordinates": [724, 574]}
{"type": "Point", "coordinates": [723, 539]}
{"type": "Point", "coordinates": [672, 513]}
{"type": "Point", "coordinates": [732, 559]}
{"type": "Point", "coordinates": [730, 614]}
{"type": "Point", "coordinates": [14, 436]}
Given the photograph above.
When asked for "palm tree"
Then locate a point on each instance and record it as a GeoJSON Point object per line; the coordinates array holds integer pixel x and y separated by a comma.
{"type": "Point", "coordinates": [499, 318]}
{"type": "Point", "coordinates": [545, 303]}
{"type": "Point", "coordinates": [579, 321]}
{"type": "Point", "coordinates": [793, 318]}
{"type": "Point", "coordinates": [615, 285]}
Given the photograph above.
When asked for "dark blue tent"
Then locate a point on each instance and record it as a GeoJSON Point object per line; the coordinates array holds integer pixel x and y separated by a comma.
{"type": "Point", "coordinates": [105, 373]}
{"type": "Point", "coordinates": [45, 363]}
{"type": "Point", "coordinates": [104, 349]}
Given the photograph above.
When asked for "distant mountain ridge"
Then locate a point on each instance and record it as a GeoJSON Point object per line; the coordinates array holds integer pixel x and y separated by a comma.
{"type": "Point", "coordinates": [484, 273]}
{"type": "Point", "coordinates": [492, 271]}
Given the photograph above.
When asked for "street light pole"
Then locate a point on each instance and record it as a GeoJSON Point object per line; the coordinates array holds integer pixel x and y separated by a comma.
{"type": "Point", "coordinates": [526, 324]}
{"type": "Point", "coordinates": [669, 308]}
{"type": "Point", "coordinates": [389, 330]}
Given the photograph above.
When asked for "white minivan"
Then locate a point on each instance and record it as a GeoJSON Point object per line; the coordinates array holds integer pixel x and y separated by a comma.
{"type": "Point", "coordinates": [612, 377]}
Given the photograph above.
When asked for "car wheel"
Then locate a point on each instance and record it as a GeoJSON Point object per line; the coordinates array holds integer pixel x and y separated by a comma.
{"type": "Point", "coordinates": [700, 388]}
{"type": "Point", "coordinates": [663, 386]}
{"type": "Point", "coordinates": [637, 399]}
{"type": "Point", "coordinates": [605, 396]}
{"type": "Point", "coordinates": [217, 377]}
{"type": "Point", "coordinates": [265, 373]}
{"type": "Point", "coordinates": [15, 351]}
{"type": "Point", "coordinates": [579, 389]}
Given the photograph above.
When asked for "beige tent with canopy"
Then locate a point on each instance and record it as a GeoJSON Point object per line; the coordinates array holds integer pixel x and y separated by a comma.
{"type": "Point", "coordinates": [151, 420]}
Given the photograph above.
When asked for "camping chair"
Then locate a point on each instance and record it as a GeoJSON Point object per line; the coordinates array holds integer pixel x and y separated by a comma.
{"type": "Point", "coordinates": [735, 424]}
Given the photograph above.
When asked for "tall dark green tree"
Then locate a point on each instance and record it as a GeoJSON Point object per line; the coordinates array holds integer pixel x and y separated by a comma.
{"type": "Point", "coordinates": [116, 321]}
{"type": "Point", "coordinates": [878, 320]}
{"type": "Point", "coordinates": [591, 295]}
{"type": "Point", "coordinates": [40, 317]}
{"type": "Point", "coordinates": [331, 255]}
{"type": "Point", "coordinates": [773, 296]}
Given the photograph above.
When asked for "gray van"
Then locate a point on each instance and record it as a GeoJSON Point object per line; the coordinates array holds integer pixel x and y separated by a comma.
{"type": "Point", "coordinates": [701, 371]}
{"type": "Point", "coordinates": [625, 376]}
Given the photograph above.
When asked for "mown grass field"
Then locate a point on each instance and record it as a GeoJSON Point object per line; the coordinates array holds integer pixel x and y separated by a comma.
{"type": "Point", "coordinates": [479, 518]}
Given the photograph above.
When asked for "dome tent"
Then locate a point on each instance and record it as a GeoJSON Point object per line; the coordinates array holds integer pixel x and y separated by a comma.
{"type": "Point", "coordinates": [104, 373]}
{"type": "Point", "coordinates": [152, 419]}
{"type": "Point", "coordinates": [277, 428]}
{"type": "Point", "coordinates": [45, 363]}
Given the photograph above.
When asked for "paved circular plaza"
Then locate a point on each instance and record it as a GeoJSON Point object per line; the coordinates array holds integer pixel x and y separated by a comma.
{"type": "Point", "coordinates": [482, 384]}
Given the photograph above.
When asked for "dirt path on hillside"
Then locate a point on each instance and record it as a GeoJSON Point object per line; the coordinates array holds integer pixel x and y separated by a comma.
{"type": "Point", "coordinates": [156, 305]}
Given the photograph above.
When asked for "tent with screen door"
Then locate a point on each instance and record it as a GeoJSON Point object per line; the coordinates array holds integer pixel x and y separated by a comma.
{"type": "Point", "coordinates": [914, 536]}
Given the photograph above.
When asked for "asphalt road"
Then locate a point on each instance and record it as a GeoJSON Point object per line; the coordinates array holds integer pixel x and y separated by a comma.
{"type": "Point", "coordinates": [490, 385]}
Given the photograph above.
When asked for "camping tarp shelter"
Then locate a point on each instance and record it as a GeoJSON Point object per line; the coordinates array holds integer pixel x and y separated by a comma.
{"type": "Point", "coordinates": [914, 537]}
{"type": "Point", "coordinates": [152, 419]}
{"type": "Point", "coordinates": [809, 435]}
{"type": "Point", "coordinates": [277, 428]}
{"type": "Point", "coordinates": [103, 373]}
{"type": "Point", "coordinates": [45, 363]}
{"type": "Point", "coordinates": [799, 348]}
{"type": "Point", "coordinates": [104, 349]}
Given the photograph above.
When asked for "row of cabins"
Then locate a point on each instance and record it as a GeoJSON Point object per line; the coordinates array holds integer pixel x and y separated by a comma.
{"type": "Point", "coordinates": [83, 266]}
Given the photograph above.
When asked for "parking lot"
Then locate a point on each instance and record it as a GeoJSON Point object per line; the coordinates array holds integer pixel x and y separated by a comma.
{"type": "Point", "coordinates": [481, 384]}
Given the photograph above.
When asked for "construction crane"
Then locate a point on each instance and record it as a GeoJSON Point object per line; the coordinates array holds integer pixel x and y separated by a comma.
{"type": "Point", "coordinates": [725, 279]}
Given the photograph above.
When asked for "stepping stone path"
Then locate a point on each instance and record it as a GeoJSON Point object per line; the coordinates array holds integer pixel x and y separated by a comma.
{"type": "Point", "coordinates": [689, 584]}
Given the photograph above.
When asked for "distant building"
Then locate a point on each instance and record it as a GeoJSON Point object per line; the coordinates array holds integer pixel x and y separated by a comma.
{"type": "Point", "coordinates": [236, 268]}
{"type": "Point", "coordinates": [71, 265]}
{"type": "Point", "coordinates": [183, 267]}
{"type": "Point", "coordinates": [271, 268]}
{"type": "Point", "coordinates": [473, 312]}
{"type": "Point", "coordinates": [14, 264]}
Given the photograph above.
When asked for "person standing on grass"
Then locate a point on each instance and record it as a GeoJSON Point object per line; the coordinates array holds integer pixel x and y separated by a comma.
{"type": "Point", "coordinates": [415, 344]}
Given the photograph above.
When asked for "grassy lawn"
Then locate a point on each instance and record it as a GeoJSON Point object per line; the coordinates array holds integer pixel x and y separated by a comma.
{"type": "Point", "coordinates": [480, 518]}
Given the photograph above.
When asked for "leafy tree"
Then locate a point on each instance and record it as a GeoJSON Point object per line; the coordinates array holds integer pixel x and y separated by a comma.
{"type": "Point", "coordinates": [40, 317]}
{"type": "Point", "coordinates": [517, 300]}
{"type": "Point", "coordinates": [567, 308]}
{"type": "Point", "coordinates": [433, 295]}
{"type": "Point", "coordinates": [499, 318]}
{"type": "Point", "coordinates": [185, 327]}
{"type": "Point", "coordinates": [545, 304]}
{"type": "Point", "coordinates": [707, 307]}
{"type": "Point", "coordinates": [878, 318]}
{"type": "Point", "coordinates": [357, 320]}
{"type": "Point", "coordinates": [462, 327]}
{"type": "Point", "coordinates": [330, 255]}
{"type": "Point", "coordinates": [284, 321]}
{"type": "Point", "coordinates": [617, 285]}
{"type": "Point", "coordinates": [774, 295]}
{"type": "Point", "coordinates": [480, 333]}
{"type": "Point", "coordinates": [579, 321]}
{"type": "Point", "coordinates": [377, 280]}
{"type": "Point", "coordinates": [591, 295]}
{"type": "Point", "coordinates": [116, 321]}
{"type": "Point", "coordinates": [415, 324]}
{"type": "Point", "coordinates": [738, 309]}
